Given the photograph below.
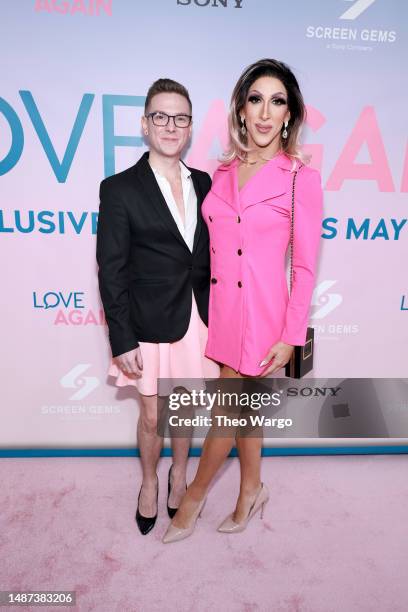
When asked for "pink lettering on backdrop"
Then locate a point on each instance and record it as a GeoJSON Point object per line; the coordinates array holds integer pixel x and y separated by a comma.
{"type": "Point", "coordinates": [214, 127]}
{"type": "Point", "coordinates": [42, 5]}
{"type": "Point", "coordinates": [78, 6]}
{"type": "Point", "coordinates": [404, 180]}
{"type": "Point", "coordinates": [366, 131]}
{"type": "Point", "coordinates": [86, 7]}
{"type": "Point", "coordinates": [78, 317]}
{"type": "Point", "coordinates": [314, 120]}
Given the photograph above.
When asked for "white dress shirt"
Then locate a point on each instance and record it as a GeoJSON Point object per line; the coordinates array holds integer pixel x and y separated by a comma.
{"type": "Point", "coordinates": [190, 203]}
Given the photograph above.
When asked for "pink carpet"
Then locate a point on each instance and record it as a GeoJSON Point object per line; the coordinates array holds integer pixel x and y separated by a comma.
{"type": "Point", "coordinates": [334, 538]}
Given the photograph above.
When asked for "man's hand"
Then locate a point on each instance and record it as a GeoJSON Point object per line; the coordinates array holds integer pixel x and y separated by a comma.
{"type": "Point", "coordinates": [130, 363]}
{"type": "Point", "coordinates": [279, 354]}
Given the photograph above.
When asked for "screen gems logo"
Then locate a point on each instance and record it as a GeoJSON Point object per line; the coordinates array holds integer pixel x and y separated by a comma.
{"type": "Point", "coordinates": [212, 3]}
{"type": "Point", "coordinates": [356, 9]}
{"type": "Point", "coordinates": [359, 35]}
{"type": "Point", "coordinates": [323, 303]}
{"type": "Point", "coordinates": [84, 384]}
{"type": "Point", "coordinates": [326, 301]}
{"type": "Point", "coordinates": [80, 387]}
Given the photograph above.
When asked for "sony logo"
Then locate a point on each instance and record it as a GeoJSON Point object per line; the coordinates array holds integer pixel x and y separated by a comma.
{"type": "Point", "coordinates": [212, 3]}
{"type": "Point", "coordinates": [313, 391]}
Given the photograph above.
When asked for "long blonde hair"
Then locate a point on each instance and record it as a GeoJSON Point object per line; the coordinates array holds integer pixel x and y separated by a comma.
{"type": "Point", "coordinates": [238, 146]}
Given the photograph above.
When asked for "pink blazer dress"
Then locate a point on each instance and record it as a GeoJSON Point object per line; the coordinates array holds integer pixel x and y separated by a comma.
{"type": "Point", "coordinates": [249, 229]}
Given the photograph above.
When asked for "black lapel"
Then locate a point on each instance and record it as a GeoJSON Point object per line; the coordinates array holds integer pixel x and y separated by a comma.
{"type": "Point", "coordinates": [200, 198]}
{"type": "Point", "coordinates": [153, 192]}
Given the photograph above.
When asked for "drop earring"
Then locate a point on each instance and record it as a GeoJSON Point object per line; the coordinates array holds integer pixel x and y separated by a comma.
{"type": "Point", "coordinates": [243, 127]}
{"type": "Point", "coordinates": [285, 131]}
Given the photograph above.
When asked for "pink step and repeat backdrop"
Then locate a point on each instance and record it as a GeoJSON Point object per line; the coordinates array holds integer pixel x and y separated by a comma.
{"type": "Point", "coordinates": [74, 77]}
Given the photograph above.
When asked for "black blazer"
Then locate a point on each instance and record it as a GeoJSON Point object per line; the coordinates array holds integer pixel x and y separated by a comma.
{"type": "Point", "coordinates": [146, 270]}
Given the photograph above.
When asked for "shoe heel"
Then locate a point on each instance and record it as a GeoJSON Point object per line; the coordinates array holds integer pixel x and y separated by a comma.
{"type": "Point", "coordinates": [262, 510]}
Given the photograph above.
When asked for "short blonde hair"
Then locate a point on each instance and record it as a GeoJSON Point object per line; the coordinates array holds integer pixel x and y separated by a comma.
{"type": "Point", "coordinates": [238, 146]}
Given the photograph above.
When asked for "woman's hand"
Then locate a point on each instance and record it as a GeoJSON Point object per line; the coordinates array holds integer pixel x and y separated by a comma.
{"type": "Point", "coordinates": [279, 354]}
{"type": "Point", "coordinates": [130, 363]}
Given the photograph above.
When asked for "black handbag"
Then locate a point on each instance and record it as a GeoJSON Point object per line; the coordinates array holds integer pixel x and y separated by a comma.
{"type": "Point", "coordinates": [301, 361]}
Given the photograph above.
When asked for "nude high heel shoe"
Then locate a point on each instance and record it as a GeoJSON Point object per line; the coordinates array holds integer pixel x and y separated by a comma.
{"type": "Point", "coordinates": [229, 526]}
{"type": "Point", "coordinates": [174, 534]}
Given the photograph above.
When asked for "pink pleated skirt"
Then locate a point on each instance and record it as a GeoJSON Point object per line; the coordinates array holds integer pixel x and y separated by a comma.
{"type": "Point", "coordinates": [183, 359]}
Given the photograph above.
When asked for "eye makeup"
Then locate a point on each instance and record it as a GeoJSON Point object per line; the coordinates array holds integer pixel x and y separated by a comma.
{"type": "Point", "coordinates": [279, 98]}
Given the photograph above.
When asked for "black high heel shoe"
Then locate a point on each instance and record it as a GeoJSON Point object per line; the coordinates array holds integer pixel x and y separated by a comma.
{"type": "Point", "coordinates": [146, 523]}
{"type": "Point", "coordinates": [170, 511]}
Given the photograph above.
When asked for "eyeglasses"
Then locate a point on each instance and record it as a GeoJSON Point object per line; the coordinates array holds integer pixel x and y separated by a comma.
{"type": "Point", "coordinates": [162, 119]}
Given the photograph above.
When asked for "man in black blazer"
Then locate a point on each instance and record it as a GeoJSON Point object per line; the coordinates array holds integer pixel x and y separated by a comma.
{"type": "Point", "coordinates": [147, 272]}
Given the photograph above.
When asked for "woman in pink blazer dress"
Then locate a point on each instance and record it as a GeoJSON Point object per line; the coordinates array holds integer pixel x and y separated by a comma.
{"type": "Point", "coordinates": [253, 322]}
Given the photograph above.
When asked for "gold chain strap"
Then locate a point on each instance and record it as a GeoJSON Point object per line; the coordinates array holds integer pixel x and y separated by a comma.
{"type": "Point", "coordinates": [291, 226]}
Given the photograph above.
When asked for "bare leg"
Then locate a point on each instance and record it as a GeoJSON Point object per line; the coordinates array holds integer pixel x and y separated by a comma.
{"type": "Point", "coordinates": [249, 449]}
{"type": "Point", "coordinates": [150, 445]}
{"type": "Point", "coordinates": [180, 448]}
{"type": "Point", "coordinates": [214, 452]}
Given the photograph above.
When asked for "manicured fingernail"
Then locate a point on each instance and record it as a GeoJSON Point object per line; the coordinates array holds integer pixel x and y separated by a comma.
{"type": "Point", "coordinates": [262, 363]}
